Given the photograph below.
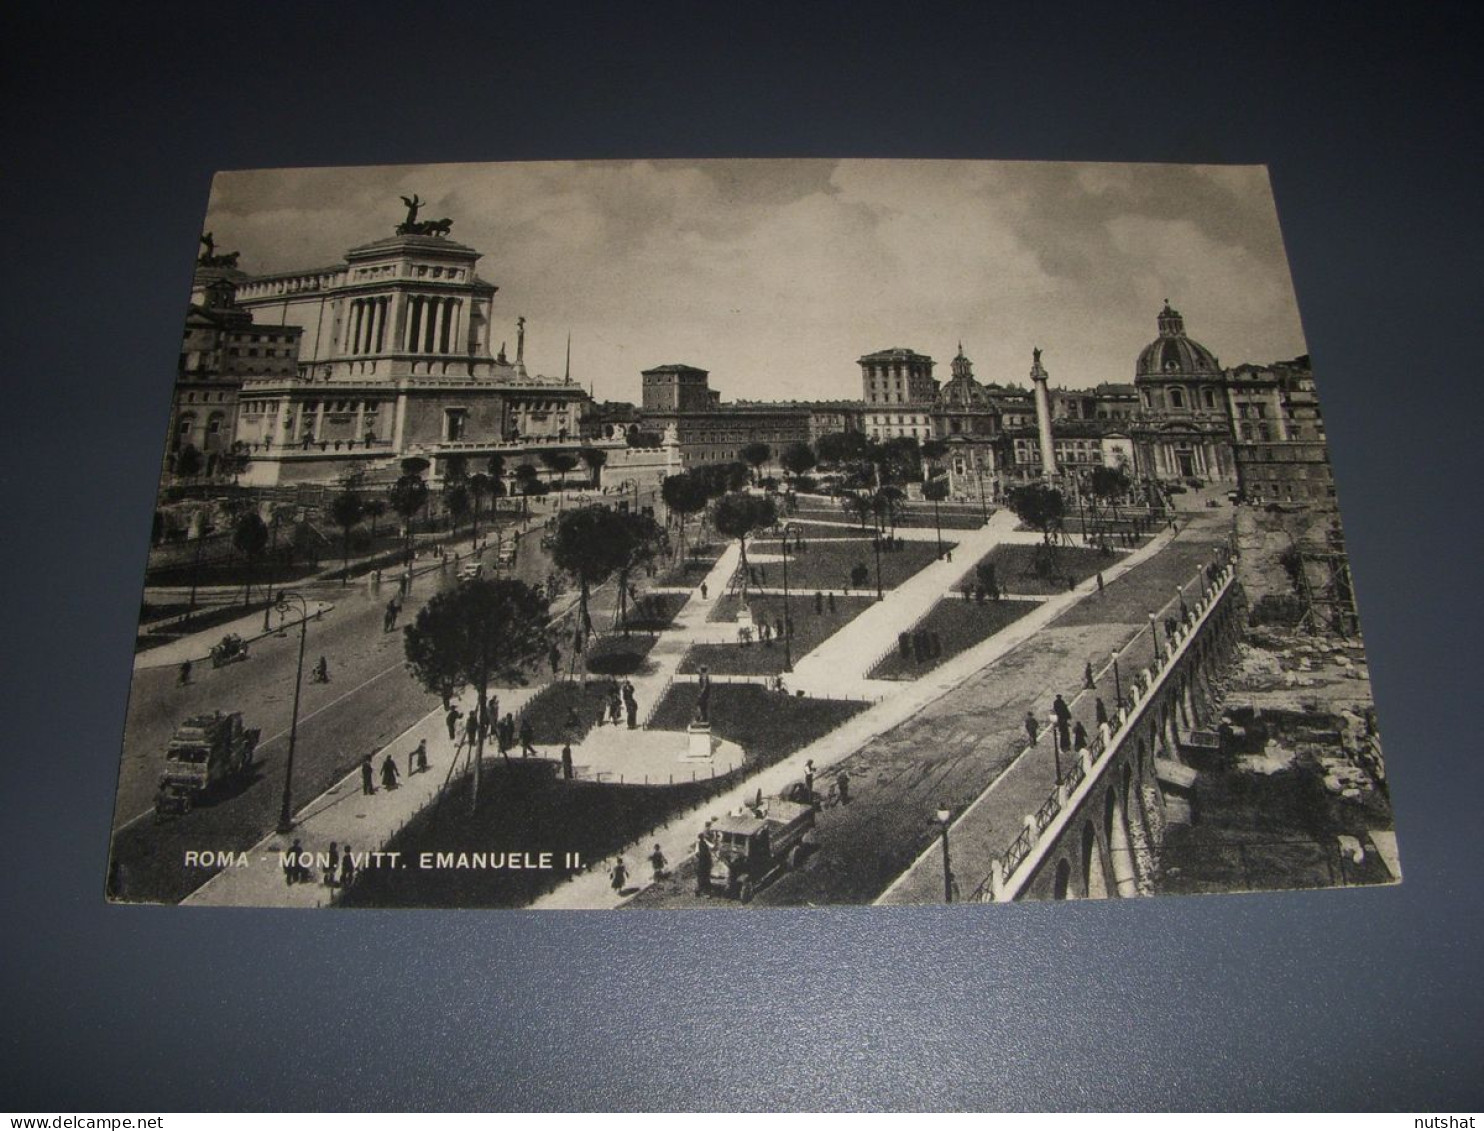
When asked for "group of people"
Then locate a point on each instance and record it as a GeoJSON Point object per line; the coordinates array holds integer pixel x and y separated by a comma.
{"type": "Point", "coordinates": [1070, 735]}
{"type": "Point", "coordinates": [484, 720]}
{"type": "Point", "coordinates": [391, 776]}
{"type": "Point", "coordinates": [621, 704]}
{"type": "Point", "coordinates": [339, 868]}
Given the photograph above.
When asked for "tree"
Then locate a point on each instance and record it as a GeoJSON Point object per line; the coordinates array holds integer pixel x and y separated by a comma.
{"type": "Point", "coordinates": [468, 635]}
{"type": "Point", "coordinates": [934, 450]}
{"type": "Point", "coordinates": [595, 458]}
{"type": "Point", "coordinates": [886, 505]}
{"type": "Point", "coordinates": [859, 505]}
{"type": "Point", "coordinates": [561, 463]}
{"type": "Point", "coordinates": [249, 539]}
{"type": "Point", "coordinates": [374, 509]}
{"type": "Point", "coordinates": [188, 462]}
{"type": "Point", "coordinates": [1109, 484]}
{"type": "Point", "coordinates": [408, 496]}
{"type": "Point", "coordinates": [455, 468]}
{"type": "Point", "coordinates": [590, 545]}
{"type": "Point", "coordinates": [642, 538]}
{"type": "Point", "coordinates": [755, 455]}
{"type": "Point", "coordinates": [685, 495]}
{"type": "Point", "coordinates": [1042, 507]}
{"type": "Point", "coordinates": [480, 487]}
{"type": "Point", "coordinates": [737, 515]}
{"type": "Point", "coordinates": [235, 460]}
{"type": "Point", "coordinates": [458, 502]}
{"type": "Point", "coordinates": [798, 459]}
{"type": "Point", "coordinates": [719, 478]}
{"type": "Point", "coordinates": [937, 491]}
{"type": "Point", "coordinates": [841, 447]}
{"type": "Point", "coordinates": [415, 465]}
{"type": "Point", "coordinates": [346, 509]}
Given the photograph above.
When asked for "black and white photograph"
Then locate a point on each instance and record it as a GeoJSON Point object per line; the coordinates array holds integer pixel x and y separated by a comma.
{"type": "Point", "coordinates": [754, 533]}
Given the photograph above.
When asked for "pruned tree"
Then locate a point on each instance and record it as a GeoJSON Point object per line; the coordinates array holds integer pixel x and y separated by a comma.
{"type": "Point", "coordinates": [188, 462]}
{"type": "Point", "coordinates": [561, 462]}
{"type": "Point", "coordinates": [590, 545]}
{"type": "Point", "coordinates": [755, 455]}
{"type": "Point", "coordinates": [408, 495]}
{"type": "Point", "coordinates": [738, 514]}
{"type": "Point", "coordinates": [250, 538]}
{"type": "Point", "coordinates": [346, 510]}
{"type": "Point", "coordinates": [469, 635]}
{"type": "Point", "coordinates": [841, 447]}
{"type": "Point", "coordinates": [1042, 508]}
{"type": "Point", "coordinates": [685, 495]}
{"type": "Point", "coordinates": [642, 538]}
{"type": "Point", "coordinates": [595, 458]}
{"type": "Point", "coordinates": [458, 502]}
{"type": "Point", "coordinates": [798, 459]}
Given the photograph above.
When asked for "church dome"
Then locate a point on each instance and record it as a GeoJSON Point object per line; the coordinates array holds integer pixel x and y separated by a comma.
{"type": "Point", "coordinates": [1173, 354]}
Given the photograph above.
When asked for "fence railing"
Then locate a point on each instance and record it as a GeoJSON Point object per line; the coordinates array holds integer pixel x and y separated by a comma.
{"type": "Point", "coordinates": [1004, 879]}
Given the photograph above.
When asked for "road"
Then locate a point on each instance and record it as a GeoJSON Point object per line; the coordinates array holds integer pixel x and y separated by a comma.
{"type": "Point", "coordinates": [369, 701]}
{"type": "Point", "coordinates": [952, 750]}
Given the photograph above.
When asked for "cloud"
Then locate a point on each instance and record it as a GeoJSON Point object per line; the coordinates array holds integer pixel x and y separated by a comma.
{"type": "Point", "coordinates": [777, 275]}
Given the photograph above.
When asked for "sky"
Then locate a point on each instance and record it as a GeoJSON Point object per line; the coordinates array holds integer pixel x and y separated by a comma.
{"type": "Point", "coordinates": [778, 275]}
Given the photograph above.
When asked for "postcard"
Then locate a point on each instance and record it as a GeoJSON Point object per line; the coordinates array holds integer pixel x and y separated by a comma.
{"type": "Point", "coordinates": [735, 534]}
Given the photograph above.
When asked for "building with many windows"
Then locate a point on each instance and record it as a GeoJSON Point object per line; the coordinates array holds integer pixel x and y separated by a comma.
{"type": "Point", "coordinates": [394, 359]}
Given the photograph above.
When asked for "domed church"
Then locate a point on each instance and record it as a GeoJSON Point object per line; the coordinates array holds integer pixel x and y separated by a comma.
{"type": "Point", "coordinates": [1183, 427]}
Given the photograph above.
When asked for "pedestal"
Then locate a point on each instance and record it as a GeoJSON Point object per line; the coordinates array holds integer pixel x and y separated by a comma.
{"type": "Point", "coordinates": [699, 748]}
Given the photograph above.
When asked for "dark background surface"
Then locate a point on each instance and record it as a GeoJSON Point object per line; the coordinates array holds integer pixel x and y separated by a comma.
{"type": "Point", "coordinates": [114, 122]}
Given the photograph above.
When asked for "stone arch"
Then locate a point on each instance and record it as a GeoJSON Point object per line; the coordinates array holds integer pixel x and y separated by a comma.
{"type": "Point", "coordinates": [1061, 881]}
{"type": "Point", "coordinates": [1120, 852]}
{"type": "Point", "coordinates": [1094, 871]}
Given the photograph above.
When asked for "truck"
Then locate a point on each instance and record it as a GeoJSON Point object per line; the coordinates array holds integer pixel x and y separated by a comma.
{"type": "Point", "coordinates": [751, 846]}
{"type": "Point", "coordinates": [205, 753]}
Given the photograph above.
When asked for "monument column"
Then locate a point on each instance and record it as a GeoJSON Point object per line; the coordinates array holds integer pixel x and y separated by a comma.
{"type": "Point", "coordinates": [1043, 416]}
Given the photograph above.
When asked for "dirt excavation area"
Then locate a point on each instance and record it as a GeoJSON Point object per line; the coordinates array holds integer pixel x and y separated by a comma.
{"type": "Point", "coordinates": [1296, 797]}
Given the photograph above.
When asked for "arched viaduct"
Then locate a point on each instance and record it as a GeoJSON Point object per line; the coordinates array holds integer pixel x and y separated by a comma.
{"type": "Point", "coordinates": [1098, 834]}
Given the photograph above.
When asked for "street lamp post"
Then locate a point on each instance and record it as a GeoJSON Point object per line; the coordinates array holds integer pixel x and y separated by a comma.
{"type": "Point", "coordinates": [1117, 684]}
{"type": "Point", "coordinates": [1154, 637]}
{"type": "Point", "coordinates": [1056, 748]}
{"type": "Point", "coordinates": [945, 815]}
{"type": "Point", "coordinates": [286, 812]}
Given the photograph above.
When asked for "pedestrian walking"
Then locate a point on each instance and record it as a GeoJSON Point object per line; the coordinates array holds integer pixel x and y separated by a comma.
{"type": "Point", "coordinates": [818, 602]}
{"type": "Point", "coordinates": [554, 658]}
{"type": "Point", "coordinates": [417, 760]}
{"type": "Point", "coordinates": [1087, 680]}
{"type": "Point", "coordinates": [615, 705]}
{"type": "Point", "coordinates": [1032, 727]}
{"type": "Point", "coordinates": [332, 865]}
{"type": "Point", "coordinates": [1063, 715]}
{"type": "Point", "coordinates": [1079, 736]}
{"type": "Point", "coordinates": [842, 786]}
{"type": "Point", "coordinates": [452, 718]}
{"type": "Point", "coordinates": [368, 776]}
{"type": "Point", "coordinates": [567, 762]}
{"type": "Point", "coordinates": [657, 861]}
{"type": "Point", "coordinates": [830, 598]}
{"type": "Point", "coordinates": [1101, 712]}
{"type": "Point", "coordinates": [703, 863]}
{"type": "Point", "coordinates": [291, 863]}
{"type": "Point", "coordinates": [347, 868]}
{"type": "Point", "coordinates": [471, 728]}
{"type": "Point", "coordinates": [809, 779]}
{"type": "Point", "coordinates": [618, 876]}
{"type": "Point", "coordinates": [1100, 583]}
{"type": "Point", "coordinates": [389, 773]}
{"type": "Point", "coordinates": [703, 591]}
{"type": "Point", "coordinates": [185, 673]}
{"type": "Point", "coordinates": [631, 705]}
{"type": "Point", "coordinates": [527, 739]}
{"type": "Point", "coordinates": [507, 732]}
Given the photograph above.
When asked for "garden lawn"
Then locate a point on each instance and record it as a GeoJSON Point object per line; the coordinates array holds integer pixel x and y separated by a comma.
{"type": "Point", "coordinates": [959, 626]}
{"type": "Point", "coordinates": [810, 631]}
{"type": "Point", "coordinates": [767, 725]}
{"type": "Point", "coordinates": [1015, 568]}
{"type": "Point", "coordinates": [827, 565]}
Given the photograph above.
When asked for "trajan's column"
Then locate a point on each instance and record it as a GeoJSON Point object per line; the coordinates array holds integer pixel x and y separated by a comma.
{"type": "Point", "coordinates": [1043, 415]}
